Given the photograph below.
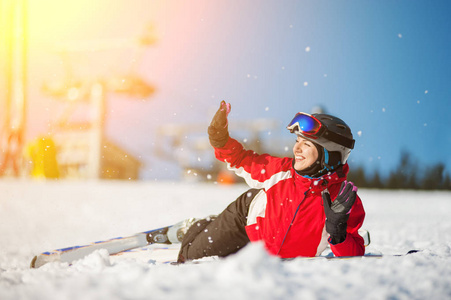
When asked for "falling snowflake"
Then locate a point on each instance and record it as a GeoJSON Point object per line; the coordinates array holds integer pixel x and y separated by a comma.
{"type": "Point", "coordinates": [305, 83]}
{"type": "Point", "coordinates": [359, 133]}
{"type": "Point", "coordinates": [307, 49]}
{"type": "Point", "coordinates": [400, 35]}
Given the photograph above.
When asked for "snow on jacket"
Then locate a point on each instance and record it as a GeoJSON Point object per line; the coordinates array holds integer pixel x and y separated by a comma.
{"type": "Point", "coordinates": [288, 213]}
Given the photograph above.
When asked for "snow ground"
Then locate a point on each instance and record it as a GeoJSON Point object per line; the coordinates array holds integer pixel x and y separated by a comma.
{"type": "Point", "coordinates": [41, 216]}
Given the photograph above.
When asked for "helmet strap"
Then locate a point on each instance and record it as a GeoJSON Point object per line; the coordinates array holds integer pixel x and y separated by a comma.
{"type": "Point", "coordinates": [327, 162]}
{"type": "Point", "coordinates": [330, 163]}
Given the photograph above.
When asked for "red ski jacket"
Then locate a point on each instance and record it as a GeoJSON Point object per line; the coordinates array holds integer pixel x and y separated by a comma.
{"type": "Point", "coordinates": [288, 213]}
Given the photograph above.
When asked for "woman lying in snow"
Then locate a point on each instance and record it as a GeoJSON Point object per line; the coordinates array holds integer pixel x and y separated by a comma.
{"type": "Point", "coordinates": [289, 205]}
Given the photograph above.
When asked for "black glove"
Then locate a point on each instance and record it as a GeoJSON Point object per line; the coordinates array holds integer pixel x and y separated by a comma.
{"type": "Point", "coordinates": [337, 212]}
{"type": "Point", "coordinates": [218, 131]}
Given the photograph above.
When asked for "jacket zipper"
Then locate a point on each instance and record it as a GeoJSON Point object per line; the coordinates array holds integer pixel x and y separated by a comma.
{"type": "Point", "coordinates": [292, 221]}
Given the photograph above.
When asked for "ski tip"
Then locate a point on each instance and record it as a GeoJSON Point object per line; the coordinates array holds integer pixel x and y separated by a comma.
{"type": "Point", "coordinates": [33, 262]}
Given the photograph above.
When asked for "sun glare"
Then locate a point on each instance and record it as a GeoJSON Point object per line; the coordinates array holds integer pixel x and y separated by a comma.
{"type": "Point", "coordinates": [53, 20]}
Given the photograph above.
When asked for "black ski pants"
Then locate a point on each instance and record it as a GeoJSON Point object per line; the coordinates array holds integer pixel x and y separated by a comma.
{"type": "Point", "coordinates": [219, 235]}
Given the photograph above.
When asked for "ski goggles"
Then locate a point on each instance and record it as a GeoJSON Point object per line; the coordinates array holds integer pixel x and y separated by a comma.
{"type": "Point", "coordinates": [306, 124]}
{"type": "Point", "coordinates": [310, 127]}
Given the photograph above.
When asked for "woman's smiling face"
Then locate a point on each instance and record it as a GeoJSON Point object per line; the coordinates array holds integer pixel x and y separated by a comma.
{"type": "Point", "coordinates": [305, 154]}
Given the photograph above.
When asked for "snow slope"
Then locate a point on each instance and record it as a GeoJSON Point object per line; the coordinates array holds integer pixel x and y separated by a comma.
{"type": "Point", "coordinates": [40, 216]}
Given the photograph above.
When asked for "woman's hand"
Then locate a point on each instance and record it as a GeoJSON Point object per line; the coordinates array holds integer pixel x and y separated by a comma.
{"type": "Point", "coordinates": [218, 131]}
{"type": "Point", "coordinates": [337, 212]}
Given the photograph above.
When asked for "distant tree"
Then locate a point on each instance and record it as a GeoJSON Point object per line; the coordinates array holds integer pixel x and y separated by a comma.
{"type": "Point", "coordinates": [405, 174]}
{"type": "Point", "coordinates": [394, 180]}
{"type": "Point", "coordinates": [413, 183]}
{"type": "Point", "coordinates": [412, 178]}
{"type": "Point", "coordinates": [446, 182]}
{"type": "Point", "coordinates": [357, 176]}
{"type": "Point", "coordinates": [433, 178]}
{"type": "Point", "coordinates": [376, 181]}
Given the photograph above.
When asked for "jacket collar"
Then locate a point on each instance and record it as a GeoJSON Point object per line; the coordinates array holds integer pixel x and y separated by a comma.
{"type": "Point", "coordinates": [321, 183]}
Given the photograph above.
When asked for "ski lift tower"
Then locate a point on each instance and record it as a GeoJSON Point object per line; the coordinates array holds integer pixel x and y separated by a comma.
{"type": "Point", "coordinates": [81, 144]}
{"type": "Point", "coordinates": [13, 64]}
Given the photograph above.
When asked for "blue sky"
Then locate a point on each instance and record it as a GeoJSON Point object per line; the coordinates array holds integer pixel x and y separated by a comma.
{"type": "Point", "coordinates": [382, 66]}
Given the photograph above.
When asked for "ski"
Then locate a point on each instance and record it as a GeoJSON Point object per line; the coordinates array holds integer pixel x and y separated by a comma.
{"type": "Point", "coordinates": [367, 255]}
{"type": "Point", "coordinates": [113, 246]}
{"type": "Point", "coordinates": [172, 234]}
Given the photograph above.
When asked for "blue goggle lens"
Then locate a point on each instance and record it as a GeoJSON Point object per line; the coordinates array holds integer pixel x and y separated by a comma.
{"type": "Point", "coordinates": [305, 123]}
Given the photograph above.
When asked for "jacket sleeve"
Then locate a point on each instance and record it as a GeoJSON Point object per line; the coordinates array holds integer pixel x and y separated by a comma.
{"type": "Point", "coordinates": [259, 171]}
{"type": "Point", "coordinates": [354, 244]}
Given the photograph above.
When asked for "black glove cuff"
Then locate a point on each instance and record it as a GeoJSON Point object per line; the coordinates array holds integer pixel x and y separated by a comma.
{"type": "Point", "coordinates": [337, 232]}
